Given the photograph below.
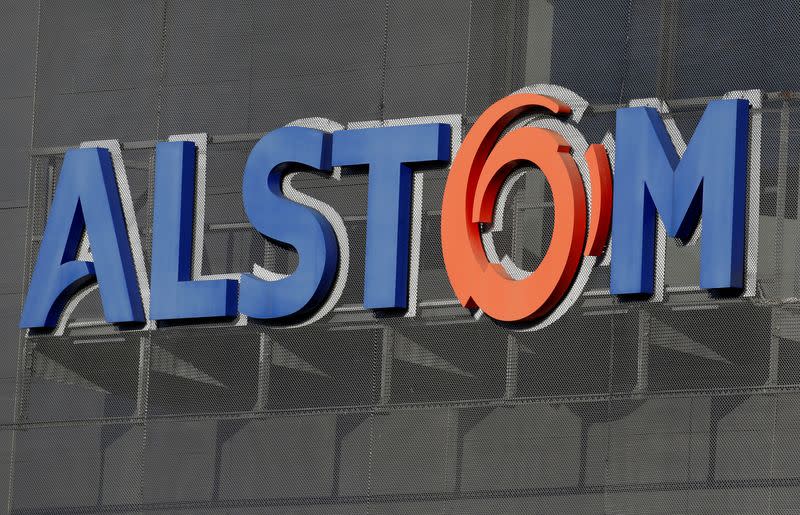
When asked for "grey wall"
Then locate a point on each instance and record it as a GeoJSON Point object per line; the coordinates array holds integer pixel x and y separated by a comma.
{"type": "Point", "coordinates": [686, 406]}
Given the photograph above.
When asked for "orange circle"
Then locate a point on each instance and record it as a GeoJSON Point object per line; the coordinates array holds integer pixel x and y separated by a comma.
{"type": "Point", "coordinates": [478, 173]}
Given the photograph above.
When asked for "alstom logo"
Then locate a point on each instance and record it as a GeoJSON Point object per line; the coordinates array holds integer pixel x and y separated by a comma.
{"type": "Point", "coordinates": [659, 184]}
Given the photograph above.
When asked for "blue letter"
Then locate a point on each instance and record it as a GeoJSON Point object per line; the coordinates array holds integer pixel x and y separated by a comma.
{"type": "Point", "coordinates": [86, 196]}
{"type": "Point", "coordinates": [388, 151]}
{"type": "Point", "coordinates": [173, 295]}
{"type": "Point", "coordinates": [711, 177]}
{"type": "Point", "coordinates": [273, 215]}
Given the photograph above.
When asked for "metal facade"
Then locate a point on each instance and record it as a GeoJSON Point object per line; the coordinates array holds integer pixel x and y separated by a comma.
{"type": "Point", "coordinates": [689, 405]}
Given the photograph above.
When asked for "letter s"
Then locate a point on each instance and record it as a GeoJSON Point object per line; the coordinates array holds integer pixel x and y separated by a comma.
{"type": "Point", "coordinates": [278, 218]}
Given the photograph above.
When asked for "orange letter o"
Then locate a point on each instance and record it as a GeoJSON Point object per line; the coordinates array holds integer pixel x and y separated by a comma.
{"type": "Point", "coordinates": [478, 172]}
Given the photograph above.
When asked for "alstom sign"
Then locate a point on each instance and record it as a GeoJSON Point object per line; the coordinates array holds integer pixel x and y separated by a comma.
{"type": "Point", "coordinates": [659, 183]}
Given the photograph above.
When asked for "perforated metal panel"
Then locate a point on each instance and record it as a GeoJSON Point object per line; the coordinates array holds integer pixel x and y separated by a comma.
{"type": "Point", "coordinates": [688, 405]}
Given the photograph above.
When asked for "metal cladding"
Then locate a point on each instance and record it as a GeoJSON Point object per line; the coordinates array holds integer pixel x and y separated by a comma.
{"type": "Point", "coordinates": [513, 256]}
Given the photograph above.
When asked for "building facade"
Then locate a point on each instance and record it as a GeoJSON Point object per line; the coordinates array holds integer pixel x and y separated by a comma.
{"type": "Point", "coordinates": [686, 401]}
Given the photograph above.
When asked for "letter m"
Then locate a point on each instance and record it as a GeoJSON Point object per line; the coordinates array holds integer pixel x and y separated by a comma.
{"type": "Point", "coordinates": [710, 179]}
